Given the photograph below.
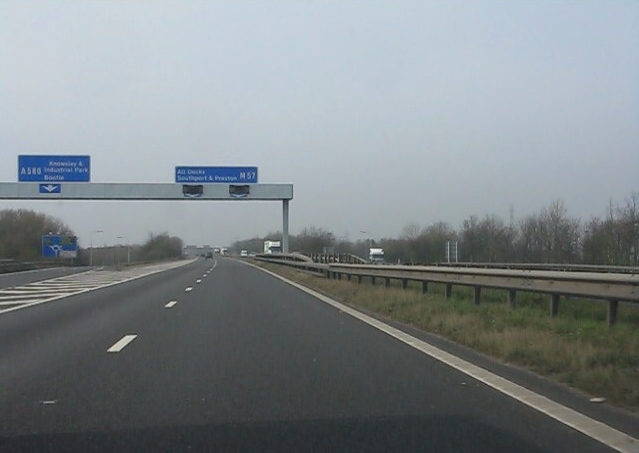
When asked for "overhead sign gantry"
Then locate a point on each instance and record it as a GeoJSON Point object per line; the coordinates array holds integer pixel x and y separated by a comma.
{"type": "Point", "coordinates": [67, 178]}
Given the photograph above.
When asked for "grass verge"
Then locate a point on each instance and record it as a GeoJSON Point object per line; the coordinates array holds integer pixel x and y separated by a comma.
{"type": "Point", "coordinates": [576, 347]}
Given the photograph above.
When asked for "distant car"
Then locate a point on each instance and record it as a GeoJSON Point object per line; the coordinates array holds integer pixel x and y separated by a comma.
{"type": "Point", "coordinates": [244, 253]}
{"type": "Point", "coordinates": [209, 255]}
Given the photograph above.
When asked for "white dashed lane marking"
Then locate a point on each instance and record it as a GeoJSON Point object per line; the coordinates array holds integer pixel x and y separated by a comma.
{"type": "Point", "coordinates": [171, 304]}
{"type": "Point", "coordinates": [122, 343]}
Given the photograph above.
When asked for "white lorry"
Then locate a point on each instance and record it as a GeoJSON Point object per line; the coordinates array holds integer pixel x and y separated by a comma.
{"type": "Point", "coordinates": [376, 255]}
{"type": "Point", "coordinates": [272, 247]}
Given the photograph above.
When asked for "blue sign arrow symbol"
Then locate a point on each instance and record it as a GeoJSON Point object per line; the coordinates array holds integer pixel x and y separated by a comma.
{"type": "Point", "coordinates": [50, 188]}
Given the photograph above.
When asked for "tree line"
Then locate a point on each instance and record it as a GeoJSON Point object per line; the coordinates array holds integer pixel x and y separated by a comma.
{"type": "Point", "coordinates": [548, 236]}
{"type": "Point", "coordinates": [21, 232]}
{"type": "Point", "coordinates": [157, 247]}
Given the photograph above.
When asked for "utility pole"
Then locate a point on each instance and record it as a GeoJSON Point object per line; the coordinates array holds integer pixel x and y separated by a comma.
{"type": "Point", "coordinates": [91, 246]}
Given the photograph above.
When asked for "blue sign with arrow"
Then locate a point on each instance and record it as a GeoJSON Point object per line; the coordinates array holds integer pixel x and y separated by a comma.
{"type": "Point", "coordinates": [50, 188]}
{"type": "Point", "coordinates": [54, 168]}
{"type": "Point", "coordinates": [59, 246]}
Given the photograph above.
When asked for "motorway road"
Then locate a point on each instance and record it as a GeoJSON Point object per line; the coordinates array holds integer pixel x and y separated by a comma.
{"type": "Point", "coordinates": [241, 362]}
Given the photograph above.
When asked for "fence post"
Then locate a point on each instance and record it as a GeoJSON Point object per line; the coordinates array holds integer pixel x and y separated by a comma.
{"type": "Point", "coordinates": [477, 294]}
{"type": "Point", "coordinates": [611, 317]}
{"type": "Point", "coordinates": [554, 304]}
{"type": "Point", "coordinates": [424, 287]}
{"type": "Point", "coordinates": [448, 290]}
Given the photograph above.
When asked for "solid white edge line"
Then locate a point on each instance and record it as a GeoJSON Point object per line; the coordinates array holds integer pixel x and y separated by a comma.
{"type": "Point", "coordinates": [171, 304]}
{"type": "Point", "coordinates": [122, 343]}
{"type": "Point", "coordinates": [597, 430]}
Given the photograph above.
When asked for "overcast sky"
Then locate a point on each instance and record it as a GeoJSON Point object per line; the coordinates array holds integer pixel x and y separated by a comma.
{"type": "Point", "coordinates": [380, 113]}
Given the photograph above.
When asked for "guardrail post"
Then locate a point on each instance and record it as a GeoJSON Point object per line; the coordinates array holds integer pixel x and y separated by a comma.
{"type": "Point", "coordinates": [387, 282]}
{"type": "Point", "coordinates": [611, 318]}
{"type": "Point", "coordinates": [448, 290]}
{"type": "Point", "coordinates": [424, 287]}
{"type": "Point", "coordinates": [339, 275]}
{"type": "Point", "coordinates": [359, 279]}
{"type": "Point", "coordinates": [477, 294]}
{"type": "Point", "coordinates": [328, 274]}
{"type": "Point", "coordinates": [348, 277]}
{"type": "Point", "coordinates": [373, 280]}
{"type": "Point", "coordinates": [404, 283]}
{"type": "Point", "coordinates": [554, 304]}
{"type": "Point", "coordinates": [512, 294]}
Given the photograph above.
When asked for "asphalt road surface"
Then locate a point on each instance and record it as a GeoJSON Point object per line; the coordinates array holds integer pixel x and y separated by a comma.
{"type": "Point", "coordinates": [240, 361]}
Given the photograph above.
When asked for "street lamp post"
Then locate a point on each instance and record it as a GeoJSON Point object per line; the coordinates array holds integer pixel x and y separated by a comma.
{"type": "Point", "coordinates": [368, 233]}
{"type": "Point", "coordinates": [91, 251]}
{"type": "Point", "coordinates": [128, 251]}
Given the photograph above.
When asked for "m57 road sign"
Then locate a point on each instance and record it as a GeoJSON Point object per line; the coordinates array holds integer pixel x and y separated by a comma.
{"type": "Point", "coordinates": [247, 175]}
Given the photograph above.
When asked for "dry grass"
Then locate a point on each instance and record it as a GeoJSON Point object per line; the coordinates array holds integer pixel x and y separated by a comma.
{"type": "Point", "coordinates": [576, 347]}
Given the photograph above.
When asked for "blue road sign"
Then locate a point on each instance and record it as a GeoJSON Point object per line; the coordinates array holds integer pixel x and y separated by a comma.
{"type": "Point", "coordinates": [205, 175]}
{"type": "Point", "coordinates": [59, 246]}
{"type": "Point", "coordinates": [54, 168]}
{"type": "Point", "coordinates": [50, 188]}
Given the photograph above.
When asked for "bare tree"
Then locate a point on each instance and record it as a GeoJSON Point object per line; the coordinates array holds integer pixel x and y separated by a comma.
{"type": "Point", "coordinates": [470, 240]}
{"type": "Point", "coordinates": [628, 225]}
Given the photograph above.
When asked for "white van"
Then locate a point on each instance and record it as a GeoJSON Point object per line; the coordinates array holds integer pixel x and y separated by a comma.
{"type": "Point", "coordinates": [376, 255]}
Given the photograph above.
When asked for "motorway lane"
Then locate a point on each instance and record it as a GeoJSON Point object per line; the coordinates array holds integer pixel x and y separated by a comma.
{"type": "Point", "coordinates": [53, 336]}
{"type": "Point", "coordinates": [241, 362]}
